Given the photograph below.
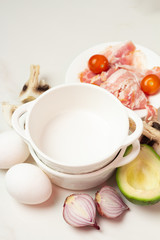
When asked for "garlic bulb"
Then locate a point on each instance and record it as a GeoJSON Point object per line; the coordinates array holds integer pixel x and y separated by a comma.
{"type": "Point", "coordinates": [79, 210]}
{"type": "Point", "coordinates": [109, 203]}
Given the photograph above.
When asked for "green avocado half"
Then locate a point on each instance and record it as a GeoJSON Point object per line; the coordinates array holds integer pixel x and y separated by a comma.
{"type": "Point", "coordinates": [139, 181]}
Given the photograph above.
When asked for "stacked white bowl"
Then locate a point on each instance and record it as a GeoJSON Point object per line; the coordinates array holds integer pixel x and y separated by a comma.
{"type": "Point", "coordinates": [77, 133]}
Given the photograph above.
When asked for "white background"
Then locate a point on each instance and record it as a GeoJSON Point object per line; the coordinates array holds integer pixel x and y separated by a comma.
{"type": "Point", "coordinates": [52, 33]}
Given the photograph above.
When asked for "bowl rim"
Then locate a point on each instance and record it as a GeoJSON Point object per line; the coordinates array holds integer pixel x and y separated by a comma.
{"type": "Point", "coordinates": [69, 175]}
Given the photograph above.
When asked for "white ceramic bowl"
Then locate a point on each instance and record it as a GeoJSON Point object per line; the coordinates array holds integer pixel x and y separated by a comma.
{"type": "Point", "coordinates": [87, 180]}
{"type": "Point", "coordinates": [76, 128]}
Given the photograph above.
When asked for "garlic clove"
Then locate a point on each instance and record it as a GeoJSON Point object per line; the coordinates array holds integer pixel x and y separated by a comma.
{"type": "Point", "coordinates": [151, 135]}
{"type": "Point", "coordinates": [33, 88]}
{"type": "Point", "coordinates": [109, 203]}
{"type": "Point", "coordinates": [79, 210]}
{"type": "Point", "coordinates": [7, 110]}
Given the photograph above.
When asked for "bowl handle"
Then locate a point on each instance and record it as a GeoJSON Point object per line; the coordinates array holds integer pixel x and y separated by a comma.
{"type": "Point", "coordinates": [138, 128]}
{"type": "Point", "coordinates": [19, 125]}
{"type": "Point", "coordinates": [121, 160]}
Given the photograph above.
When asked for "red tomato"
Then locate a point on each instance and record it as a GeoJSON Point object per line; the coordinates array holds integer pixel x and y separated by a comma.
{"type": "Point", "coordinates": [150, 84]}
{"type": "Point", "coordinates": [98, 63]}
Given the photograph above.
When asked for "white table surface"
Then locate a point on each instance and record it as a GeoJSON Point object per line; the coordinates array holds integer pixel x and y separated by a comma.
{"type": "Point", "coordinates": [52, 33]}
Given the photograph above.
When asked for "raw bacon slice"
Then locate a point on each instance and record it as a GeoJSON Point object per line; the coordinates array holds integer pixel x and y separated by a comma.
{"type": "Point", "coordinates": [125, 55]}
{"type": "Point", "coordinates": [151, 113]}
{"type": "Point", "coordinates": [139, 61]}
{"type": "Point", "coordinates": [120, 53]}
{"type": "Point", "coordinates": [138, 64]}
{"type": "Point", "coordinates": [97, 80]}
{"type": "Point", "coordinates": [86, 76]}
{"type": "Point", "coordinates": [155, 70]}
{"type": "Point", "coordinates": [125, 86]}
{"type": "Point", "coordinates": [100, 78]}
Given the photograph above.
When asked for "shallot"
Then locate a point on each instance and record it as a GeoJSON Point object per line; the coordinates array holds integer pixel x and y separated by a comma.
{"type": "Point", "coordinates": [109, 203]}
{"type": "Point", "coordinates": [79, 210]}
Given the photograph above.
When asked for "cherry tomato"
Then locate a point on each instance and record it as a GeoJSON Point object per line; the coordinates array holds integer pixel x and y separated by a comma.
{"type": "Point", "coordinates": [150, 84]}
{"type": "Point", "coordinates": [98, 63]}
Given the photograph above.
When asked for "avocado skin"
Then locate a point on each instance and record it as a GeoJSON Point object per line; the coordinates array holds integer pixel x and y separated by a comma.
{"type": "Point", "coordinates": [136, 201]}
{"type": "Point", "coordinates": [128, 150]}
{"type": "Point", "coordinates": [141, 202]}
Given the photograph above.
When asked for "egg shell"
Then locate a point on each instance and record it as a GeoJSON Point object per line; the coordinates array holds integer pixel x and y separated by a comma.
{"type": "Point", "coordinates": [13, 149]}
{"type": "Point", "coordinates": [28, 184]}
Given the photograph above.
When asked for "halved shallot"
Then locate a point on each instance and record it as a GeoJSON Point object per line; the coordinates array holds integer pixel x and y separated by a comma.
{"type": "Point", "coordinates": [109, 203]}
{"type": "Point", "coordinates": [79, 210]}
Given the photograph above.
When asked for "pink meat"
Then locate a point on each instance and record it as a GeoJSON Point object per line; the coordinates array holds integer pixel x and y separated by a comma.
{"type": "Point", "coordinates": [100, 78]}
{"type": "Point", "coordinates": [88, 76]}
{"type": "Point", "coordinates": [155, 70]}
{"type": "Point", "coordinates": [151, 113]}
{"type": "Point", "coordinates": [125, 86]}
{"type": "Point", "coordinates": [120, 53]}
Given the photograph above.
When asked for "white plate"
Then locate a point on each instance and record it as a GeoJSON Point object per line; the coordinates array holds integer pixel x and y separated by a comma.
{"type": "Point", "coordinates": [80, 63]}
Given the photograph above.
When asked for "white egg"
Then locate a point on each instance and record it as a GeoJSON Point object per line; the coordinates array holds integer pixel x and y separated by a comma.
{"type": "Point", "coordinates": [28, 184]}
{"type": "Point", "coordinates": [13, 149]}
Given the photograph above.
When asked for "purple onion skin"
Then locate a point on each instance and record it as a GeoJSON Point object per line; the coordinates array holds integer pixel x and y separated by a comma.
{"type": "Point", "coordinates": [71, 216]}
{"type": "Point", "coordinates": [104, 208]}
